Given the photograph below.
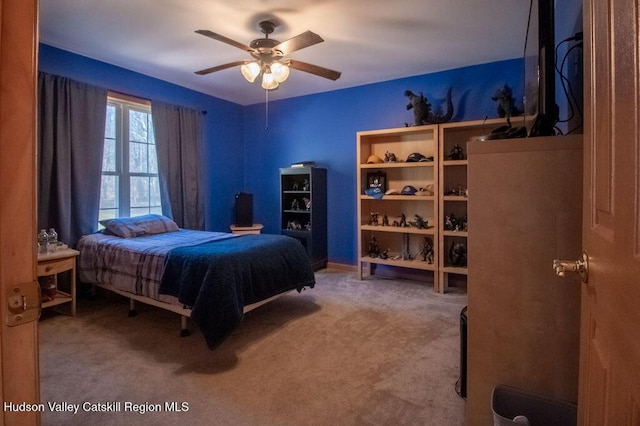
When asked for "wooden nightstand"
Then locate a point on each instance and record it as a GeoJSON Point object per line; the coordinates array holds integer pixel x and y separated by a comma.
{"type": "Point", "coordinates": [54, 264]}
{"type": "Point", "coordinates": [255, 229]}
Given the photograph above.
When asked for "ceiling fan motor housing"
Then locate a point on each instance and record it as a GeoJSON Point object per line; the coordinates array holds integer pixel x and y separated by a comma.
{"type": "Point", "coordinates": [264, 43]}
{"type": "Point", "coordinates": [264, 47]}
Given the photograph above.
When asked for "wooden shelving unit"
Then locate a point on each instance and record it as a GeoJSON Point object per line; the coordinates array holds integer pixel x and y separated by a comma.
{"type": "Point", "coordinates": [453, 191]}
{"type": "Point", "coordinates": [398, 246]}
{"type": "Point", "coordinates": [445, 174]}
{"type": "Point", "coordinates": [303, 201]}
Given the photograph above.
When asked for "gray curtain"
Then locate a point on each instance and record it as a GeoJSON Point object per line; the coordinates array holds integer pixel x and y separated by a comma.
{"type": "Point", "coordinates": [71, 120]}
{"type": "Point", "coordinates": [178, 138]}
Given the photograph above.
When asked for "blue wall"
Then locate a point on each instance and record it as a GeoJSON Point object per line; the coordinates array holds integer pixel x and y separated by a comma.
{"type": "Point", "coordinates": [323, 127]}
{"type": "Point", "coordinates": [223, 123]}
{"type": "Point", "coordinates": [242, 155]}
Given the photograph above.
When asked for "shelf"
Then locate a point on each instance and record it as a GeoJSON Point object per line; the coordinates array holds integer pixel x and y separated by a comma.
{"type": "Point", "coordinates": [303, 233]}
{"type": "Point", "coordinates": [400, 198]}
{"type": "Point", "coordinates": [453, 175]}
{"type": "Point", "coordinates": [414, 263]}
{"type": "Point", "coordinates": [402, 142]}
{"type": "Point", "coordinates": [399, 230]}
{"type": "Point", "coordinates": [61, 297]}
{"type": "Point", "coordinates": [404, 165]}
{"type": "Point", "coordinates": [463, 234]}
{"type": "Point", "coordinates": [56, 263]}
{"type": "Point", "coordinates": [455, 162]}
{"type": "Point", "coordinates": [455, 270]}
{"type": "Point", "coordinates": [305, 188]}
{"type": "Point", "coordinates": [443, 174]}
{"type": "Point", "coordinates": [58, 254]}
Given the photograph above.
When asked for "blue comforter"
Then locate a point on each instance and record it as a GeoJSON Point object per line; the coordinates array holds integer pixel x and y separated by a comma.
{"type": "Point", "coordinates": [219, 278]}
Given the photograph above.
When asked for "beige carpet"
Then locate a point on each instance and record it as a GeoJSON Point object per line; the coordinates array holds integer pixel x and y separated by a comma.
{"type": "Point", "coordinates": [348, 352]}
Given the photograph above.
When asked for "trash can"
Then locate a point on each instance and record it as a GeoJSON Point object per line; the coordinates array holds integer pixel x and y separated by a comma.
{"type": "Point", "coordinates": [512, 406]}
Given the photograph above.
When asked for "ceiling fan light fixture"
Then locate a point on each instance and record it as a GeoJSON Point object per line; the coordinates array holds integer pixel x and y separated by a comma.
{"type": "Point", "coordinates": [280, 71]}
{"type": "Point", "coordinates": [268, 80]}
{"type": "Point", "coordinates": [250, 71]}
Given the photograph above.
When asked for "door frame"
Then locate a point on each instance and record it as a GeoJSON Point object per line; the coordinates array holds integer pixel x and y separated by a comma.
{"type": "Point", "coordinates": [19, 367]}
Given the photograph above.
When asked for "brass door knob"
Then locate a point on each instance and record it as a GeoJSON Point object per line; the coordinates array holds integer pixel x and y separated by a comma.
{"type": "Point", "coordinates": [580, 266]}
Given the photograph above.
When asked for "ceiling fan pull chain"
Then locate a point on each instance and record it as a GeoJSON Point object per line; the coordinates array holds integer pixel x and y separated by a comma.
{"type": "Point", "coordinates": [266, 109]}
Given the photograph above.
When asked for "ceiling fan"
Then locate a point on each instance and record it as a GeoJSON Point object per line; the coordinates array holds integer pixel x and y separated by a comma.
{"type": "Point", "coordinates": [269, 57]}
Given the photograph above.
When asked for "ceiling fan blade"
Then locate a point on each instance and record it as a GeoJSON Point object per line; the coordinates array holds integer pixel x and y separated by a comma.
{"type": "Point", "coordinates": [298, 42]}
{"type": "Point", "coordinates": [314, 69]}
{"type": "Point", "coordinates": [224, 39]}
{"type": "Point", "coordinates": [219, 67]}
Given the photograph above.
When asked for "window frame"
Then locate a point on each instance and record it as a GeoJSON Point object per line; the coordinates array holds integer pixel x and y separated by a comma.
{"type": "Point", "coordinates": [123, 105]}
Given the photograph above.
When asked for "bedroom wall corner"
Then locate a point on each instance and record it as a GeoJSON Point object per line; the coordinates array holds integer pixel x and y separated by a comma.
{"type": "Point", "coordinates": [222, 123]}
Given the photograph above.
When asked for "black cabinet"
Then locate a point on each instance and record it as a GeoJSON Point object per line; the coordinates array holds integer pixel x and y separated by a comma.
{"type": "Point", "coordinates": [303, 202]}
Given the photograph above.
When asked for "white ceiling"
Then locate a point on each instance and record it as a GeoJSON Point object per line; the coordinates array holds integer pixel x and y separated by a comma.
{"type": "Point", "coordinates": [368, 41]}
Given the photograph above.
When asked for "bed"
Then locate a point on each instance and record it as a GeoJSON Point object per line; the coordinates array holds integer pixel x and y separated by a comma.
{"type": "Point", "coordinates": [211, 277]}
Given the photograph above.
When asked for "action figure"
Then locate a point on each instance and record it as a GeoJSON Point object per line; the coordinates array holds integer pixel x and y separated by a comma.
{"type": "Point", "coordinates": [374, 250]}
{"type": "Point", "coordinates": [427, 250]}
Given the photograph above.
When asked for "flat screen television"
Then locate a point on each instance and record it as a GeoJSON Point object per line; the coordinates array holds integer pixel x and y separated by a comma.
{"type": "Point", "coordinates": [539, 67]}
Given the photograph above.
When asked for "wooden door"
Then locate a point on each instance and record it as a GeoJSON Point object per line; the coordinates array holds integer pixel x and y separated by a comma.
{"type": "Point", "coordinates": [18, 344]}
{"type": "Point", "coordinates": [609, 391]}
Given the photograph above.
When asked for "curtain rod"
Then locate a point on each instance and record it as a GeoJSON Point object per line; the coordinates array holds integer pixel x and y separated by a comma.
{"type": "Point", "coordinates": [135, 99]}
{"type": "Point", "coordinates": [129, 98]}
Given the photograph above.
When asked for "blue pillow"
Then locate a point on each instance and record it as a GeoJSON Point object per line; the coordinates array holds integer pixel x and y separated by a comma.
{"type": "Point", "coordinates": [131, 227]}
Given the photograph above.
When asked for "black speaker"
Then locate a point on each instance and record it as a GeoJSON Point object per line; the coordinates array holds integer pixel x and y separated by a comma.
{"type": "Point", "coordinates": [462, 382]}
{"type": "Point", "coordinates": [244, 209]}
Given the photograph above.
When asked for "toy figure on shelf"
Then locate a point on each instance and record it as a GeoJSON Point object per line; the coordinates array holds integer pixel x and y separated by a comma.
{"type": "Point", "coordinates": [374, 250]}
{"type": "Point", "coordinates": [374, 218]}
{"type": "Point", "coordinates": [307, 203]}
{"type": "Point", "coordinates": [390, 157]}
{"type": "Point", "coordinates": [402, 222]}
{"type": "Point", "coordinates": [384, 254]}
{"type": "Point", "coordinates": [458, 254]}
{"type": "Point", "coordinates": [427, 250]}
{"type": "Point", "coordinates": [422, 113]}
{"type": "Point", "coordinates": [457, 153]}
{"type": "Point", "coordinates": [453, 223]}
{"type": "Point", "coordinates": [460, 191]}
{"type": "Point", "coordinates": [385, 220]}
{"type": "Point", "coordinates": [305, 185]}
{"type": "Point", "coordinates": [294, 225]}
{"type": "Point", "coordinates": [506, 105]}
{"type": "Point", "coordinates": [419, 222]}
{"type": "Point", "coordinates": [450, 223]}
{"type": "Point", "coordinates": [295, 205]}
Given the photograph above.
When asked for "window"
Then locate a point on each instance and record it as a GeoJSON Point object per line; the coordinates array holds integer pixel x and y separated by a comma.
{"type": "Point", "coordinates": [130, 185]}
